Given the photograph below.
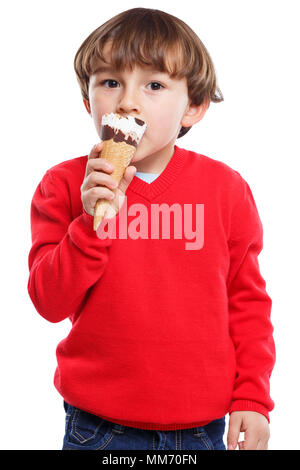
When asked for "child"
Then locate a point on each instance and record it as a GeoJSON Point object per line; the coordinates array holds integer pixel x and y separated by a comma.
{"type": "Point", "coordinates": [170, 327]}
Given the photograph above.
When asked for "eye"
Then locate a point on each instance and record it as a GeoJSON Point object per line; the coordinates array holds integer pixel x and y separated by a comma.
{"type": "Point", "coordinates": [156, 84]}
{"type": "Point", "coordinates": [109, 81]}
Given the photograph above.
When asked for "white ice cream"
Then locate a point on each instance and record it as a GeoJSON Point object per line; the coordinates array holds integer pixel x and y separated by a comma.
{"type": "Point", "coordinates": [125, 124]}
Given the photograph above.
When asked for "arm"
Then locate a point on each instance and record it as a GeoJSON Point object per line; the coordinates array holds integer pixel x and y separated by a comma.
{"type": "Point", "coordinates": [66, 258]}
{"type": "Point", "coordinates": [249, 310]}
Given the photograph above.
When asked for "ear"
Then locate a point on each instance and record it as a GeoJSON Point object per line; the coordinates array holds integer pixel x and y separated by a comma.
{"type": "Point", "coordinates": [87, 106]}
{"type": "Point", "coordinates": [194, 113]}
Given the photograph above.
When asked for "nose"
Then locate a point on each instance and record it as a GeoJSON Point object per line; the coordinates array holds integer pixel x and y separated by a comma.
{"type": "Point", "coordinates": [128, 102]}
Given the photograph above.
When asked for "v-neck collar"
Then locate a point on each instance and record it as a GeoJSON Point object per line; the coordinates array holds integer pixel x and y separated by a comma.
{"type": "Point", "coordinates": [150, 190]}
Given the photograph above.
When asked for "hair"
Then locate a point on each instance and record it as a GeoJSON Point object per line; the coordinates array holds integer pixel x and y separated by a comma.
{"type": "Point", "coordinates": [144, 36]}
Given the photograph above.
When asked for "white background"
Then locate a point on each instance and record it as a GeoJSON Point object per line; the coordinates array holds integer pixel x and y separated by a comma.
{"type": "Point", "coordinates": [255, 48]}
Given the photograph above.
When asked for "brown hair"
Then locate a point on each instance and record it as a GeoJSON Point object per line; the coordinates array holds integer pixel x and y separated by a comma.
{"type": "Point", "coordinates": [145, 36]}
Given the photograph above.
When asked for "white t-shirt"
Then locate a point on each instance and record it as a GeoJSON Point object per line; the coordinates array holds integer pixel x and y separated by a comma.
{"type": "Point", "coordinates": [147, 177]}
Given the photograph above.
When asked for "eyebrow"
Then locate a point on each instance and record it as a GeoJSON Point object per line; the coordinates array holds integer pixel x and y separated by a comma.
{"type": "Point", "coordinates": [107, 68]}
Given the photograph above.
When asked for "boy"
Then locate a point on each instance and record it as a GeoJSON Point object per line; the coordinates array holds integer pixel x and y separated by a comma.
{"type": "Point", "coordinates": [167, 335]}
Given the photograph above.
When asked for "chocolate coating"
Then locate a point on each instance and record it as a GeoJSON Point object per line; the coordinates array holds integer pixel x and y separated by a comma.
{"type": "Point", "coordinates": [139, 121]}
{"type": "Point", "coordinates": [108, 133]}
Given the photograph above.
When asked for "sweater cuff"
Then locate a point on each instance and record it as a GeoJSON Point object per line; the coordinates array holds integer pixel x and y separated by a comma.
{"type": "Point", "coordinates": [247, 405]}
{"type": "Point", "coordinates": [84, 236]}
{"type": "Point", "coordinates": [88, 221]}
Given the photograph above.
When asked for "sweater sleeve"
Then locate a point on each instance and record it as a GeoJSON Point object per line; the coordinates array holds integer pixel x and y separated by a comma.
{"type": "Point", "coordinates": [66, 257]}
{"type": "Point", "coordinates": [249, 310]}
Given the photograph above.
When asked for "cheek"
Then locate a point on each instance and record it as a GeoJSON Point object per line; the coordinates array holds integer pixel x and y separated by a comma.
{"type": "Point", "coordinates": [97, 103]}
{"type": "Point", "coordinates": [164, 122]}
{"type": "Point", "coordinates": [98, 109]}
{"type": "Point", "coordinates": [95, 107]}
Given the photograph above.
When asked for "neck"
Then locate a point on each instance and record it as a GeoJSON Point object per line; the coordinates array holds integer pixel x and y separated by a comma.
{"type": "Point", "coordinates": [156, 162]}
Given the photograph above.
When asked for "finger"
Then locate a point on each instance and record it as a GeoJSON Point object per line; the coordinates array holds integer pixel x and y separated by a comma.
{"type": "Point", "coordinates": [241, 445]}
{"type": "Point", "coordinates": [94, 153]}
{"type": "Point", "coordinates": [96, 178]}
{"type": "Point", "coordinates": [262, 445]}
{"type": "Point", "coordinates": [251, 440]}
{"type": "Point", "coordinates": [127, 178]}
{"type": "Point", "coordinates": [98, 164]}
{"type": "Point", "coordinates": [234, 428]}
{"type": "Point", "coordinates": [99, 192]}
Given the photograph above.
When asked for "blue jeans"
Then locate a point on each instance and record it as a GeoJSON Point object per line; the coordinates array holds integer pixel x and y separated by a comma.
{"type": "Point", "coordinates": [89, 432]}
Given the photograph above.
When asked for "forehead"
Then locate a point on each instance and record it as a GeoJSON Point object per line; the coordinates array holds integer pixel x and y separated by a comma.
{"type": "Point", "coordinates": [113, 62]}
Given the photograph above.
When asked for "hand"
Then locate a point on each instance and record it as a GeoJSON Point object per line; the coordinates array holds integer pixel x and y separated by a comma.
{"type": "Point", "coordinates": [98, 184]}
{"type": "Point", "coordinates": [254, 425]}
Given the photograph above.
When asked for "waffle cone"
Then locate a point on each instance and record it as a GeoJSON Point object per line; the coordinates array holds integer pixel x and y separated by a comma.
{"type": "Point", "coordinates": [119, 154]}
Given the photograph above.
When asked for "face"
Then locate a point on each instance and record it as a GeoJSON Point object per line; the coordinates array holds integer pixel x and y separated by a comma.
{"type": "Point", "coordinates": [143, 93]}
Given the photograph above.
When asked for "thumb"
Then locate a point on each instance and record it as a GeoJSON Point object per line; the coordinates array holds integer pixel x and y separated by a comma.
{"type": "Point", "coordinates": [127, 178]}
{"type": "Point", "coordinates": [234, 428]}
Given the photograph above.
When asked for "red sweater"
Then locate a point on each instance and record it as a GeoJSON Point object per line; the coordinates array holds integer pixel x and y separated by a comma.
{"type": "Point", "coordinates": [166, 333]}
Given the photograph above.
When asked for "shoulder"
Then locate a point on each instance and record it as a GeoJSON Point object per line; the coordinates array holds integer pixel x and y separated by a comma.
{"type": "Point", "coordinates": [63, 179]}
{"type": "Point", "coordinates": [60, 186]}
{"type": "Point", "coordinates": [216, 171]}
{"type": "Point", "coordinates": [67, 169]}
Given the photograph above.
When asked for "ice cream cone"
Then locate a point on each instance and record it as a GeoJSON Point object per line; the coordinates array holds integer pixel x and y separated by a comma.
{"type": "Point", "coordinates": [121, 136]}
{"type": "Point", "coordinates": [119, 154]}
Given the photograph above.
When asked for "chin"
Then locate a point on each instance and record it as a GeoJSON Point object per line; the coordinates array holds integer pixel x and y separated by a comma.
{"type": "Point", "coordinates": [137, 157]}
